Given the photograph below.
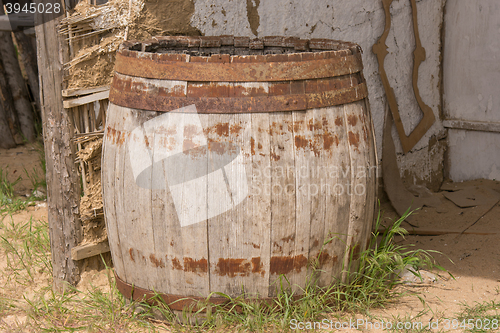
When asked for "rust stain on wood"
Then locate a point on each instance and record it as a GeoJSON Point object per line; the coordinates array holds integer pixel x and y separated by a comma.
{"type": "Point", "coordinates": [354, 139]}
{"type": "Point", "coordinates": [257, 266]}
{"type": "Point", "coordinates": [196, 266]}
{"type": "Point", "coordinates": [352, 119]}
{"type": "Point", "coordinates": [156, 262]}
{"type": "Point", "coordinates": [116, 136]}
{"type": "Point", "coordinates": [233, 267]}
{"type": "Point", "coordinates": [287, 264]}
{"type": "Point", "coordinates": [176, 264]}
{"type": "Point", "coordinates": [328, 140]}
{"type": "Point", "coordinates": [131, 253]}
{"type": "Point", "coordinates": [301, 142]}
{"type": "Point", "coordinates": [338, 121]}
{"type": "Point", "coordinates": [314, 125]}
{"type": "Point", "coordinates": [288, 238]}
{"type": "Point", "coordinates": [252, 145]}
{"type": "Point", "coordinates": [324, 258]}
{"type": "Point", "coordinates": [275, 157]}
{"type": "Point", "coordinates": [235, 129]}
{"type": "Point", "coordinates": [222, 129]}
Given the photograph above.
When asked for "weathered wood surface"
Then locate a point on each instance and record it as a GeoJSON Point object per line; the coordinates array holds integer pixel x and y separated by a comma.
{"type": "Point", "coordinates": [235, 200]}
{"type": "Point", "coordinates": [89, 250]}
{"type": "Point", "coordinates": [71, 103]}
{"type": "Point", "coordinates": [83, 91]}
{"type": "Point", "coordinates": [63, 185]}
{"type": "Point", "coordinates": [472, 125]}
{"type": "Point", "coordinates": [309, 201]}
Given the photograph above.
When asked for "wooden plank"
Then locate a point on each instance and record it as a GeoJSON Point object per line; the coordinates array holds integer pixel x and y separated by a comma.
{"type": "Point", "coordinates": [260, 192]}
{"type": "Point", "coordinates": [231, 238]}
{"type": "Point", "coordinates": [321, 142]}
{"type": "Point", "coordinates": [337, 199]}
{"type": "Point", "coordinates": [304, 160]}
{"type": "Point", "coordinates": [472, 125]}
{"type": "Point", "coordinates": [84, 91]}
{"type": "Point", "coordinates": [357, 139]}
{"type": "Point", "coordinates": [89, 250]}
{"type": "Point", "coordinates": [63, 190]}
{"type": "Point", "coordinates": [92, 117]}
{"type": "Point", "coordinates": [166, 224]}
{"type": "Point", "coordinates": [283, 232]}
{"type": "Point", "coordinates": [112, 185]}
{"type": "Point", "coordinates": [190, 198]}
{"type": "Point", "coordinates": [86, 119]}
{"type": "Point", "coordinates": [135, 221]}
{"type": "Point", "coordinates": [220, 236]}
{"type": "Point", "coordinates": [70, 103]}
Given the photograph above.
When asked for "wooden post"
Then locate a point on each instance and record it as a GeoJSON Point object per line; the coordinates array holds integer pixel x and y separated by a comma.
{"type": "Point", "coordinates": [63, 185]}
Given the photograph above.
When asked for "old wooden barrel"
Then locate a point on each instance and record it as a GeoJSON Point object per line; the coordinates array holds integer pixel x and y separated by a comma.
{"type": "Point", "coordinates": [230, 161]}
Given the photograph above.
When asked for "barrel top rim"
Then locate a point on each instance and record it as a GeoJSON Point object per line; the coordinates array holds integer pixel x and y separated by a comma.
{"type": "Point", "coordinates": [182, 46]}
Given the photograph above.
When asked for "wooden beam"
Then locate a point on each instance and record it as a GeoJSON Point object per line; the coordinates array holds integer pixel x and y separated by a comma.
{"type": "Point", "coordinates": [71, 103]}
{"type": "Point", "coordinates": [481, 126]}
{"type": "Point", "coordinates": [84, 91]}
{"type": "Point", "coordinates": [63, 183]}
{"type": "Point", "coordinates": [89, 250]}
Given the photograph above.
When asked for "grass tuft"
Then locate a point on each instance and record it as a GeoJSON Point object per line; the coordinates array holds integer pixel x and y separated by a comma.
{"type": "Point", "coordinates": [371, 282]}
{"type": "Point", "coordinates": [482, 317]}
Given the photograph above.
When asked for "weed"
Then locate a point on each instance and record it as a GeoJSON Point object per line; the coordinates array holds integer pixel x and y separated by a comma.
{"type": "Point", "coordinates": [37, 182]}
{"type": "Point", "coordinates": [27, 249]}
{"type": "Point", "coordinates": [482, 317]}
{"type": "Point", "coordinates": [371, 282]}
{"type": "Point", "coordinates": [6, 186]}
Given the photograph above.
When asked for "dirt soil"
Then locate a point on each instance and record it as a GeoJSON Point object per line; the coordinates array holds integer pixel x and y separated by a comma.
{"type": "Point", "coordinates": [473, 258]}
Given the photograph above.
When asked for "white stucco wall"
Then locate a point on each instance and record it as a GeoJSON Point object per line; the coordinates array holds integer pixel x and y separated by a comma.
{"type": "Point", "coordinates": [471, 78]}
{"type": "Point", "coordinates": [362, 22]}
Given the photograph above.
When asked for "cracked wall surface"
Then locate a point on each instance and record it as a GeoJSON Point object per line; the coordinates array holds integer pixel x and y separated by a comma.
{"type": "Point", "coordinates": [362, 22]}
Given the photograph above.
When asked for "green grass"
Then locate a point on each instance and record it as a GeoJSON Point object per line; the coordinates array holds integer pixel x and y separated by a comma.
{"type": "Point", "coordinates": [26, 245]}
{"type": "Point", "coordinates": [8, 202]}
{"type": "Point", "coordinates": [27, 249]}
{"type": "Point", "coordinates": [371, 283]}
{"type": "Point", "coordinates": [481, 317]}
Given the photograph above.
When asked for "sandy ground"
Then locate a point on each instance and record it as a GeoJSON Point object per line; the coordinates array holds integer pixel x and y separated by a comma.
{"type": "Point", "coordinates": [473, 258]}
